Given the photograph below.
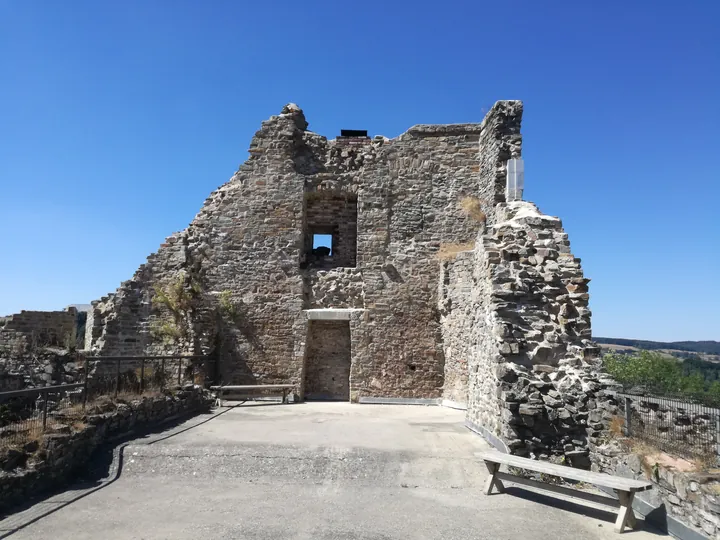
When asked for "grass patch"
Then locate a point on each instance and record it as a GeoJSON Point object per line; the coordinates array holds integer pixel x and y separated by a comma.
{"type": "Point", "coordinates": [616, 425]}
{"type": "Point", "coordinates": [472, 206]}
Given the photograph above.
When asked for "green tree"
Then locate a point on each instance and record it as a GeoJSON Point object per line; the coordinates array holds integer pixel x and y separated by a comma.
{"type": "Point", "coordinates": [658, 373]}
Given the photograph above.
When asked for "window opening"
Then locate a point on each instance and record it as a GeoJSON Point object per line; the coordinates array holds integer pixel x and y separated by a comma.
{"type": "Point", "coordinates": [322, 245]}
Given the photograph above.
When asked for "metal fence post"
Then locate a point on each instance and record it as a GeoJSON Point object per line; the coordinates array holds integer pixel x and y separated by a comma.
{"type": "Point", "coordinates": [45, 411]}
{"type": "Point", "coordinates": [142, 375]}
{"type": "Point", "coordinates": [628, 415]}
{"type": "Point", "coordinates": [117, 377]}
{"type": "Point", "coordinates": [85, 384]}
{"type": "Point", "coordinates": [179, 371]}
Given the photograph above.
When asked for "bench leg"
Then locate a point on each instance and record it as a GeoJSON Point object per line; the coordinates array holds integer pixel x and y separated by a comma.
{"type": "Point", "coordinates": [492, 480]}
{"type": "Point", "coordinates": [626, 516]}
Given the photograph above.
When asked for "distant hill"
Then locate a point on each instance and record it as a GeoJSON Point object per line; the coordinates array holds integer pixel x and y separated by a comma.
{"type": "Point", "coordinates": [703, 347]}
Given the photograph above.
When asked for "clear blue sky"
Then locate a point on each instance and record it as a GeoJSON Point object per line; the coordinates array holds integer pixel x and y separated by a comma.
{"type": "Point", "coordinates": [117, 119]}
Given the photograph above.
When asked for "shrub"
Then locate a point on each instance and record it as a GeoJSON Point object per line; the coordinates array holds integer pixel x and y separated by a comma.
{"type": "Point", "coordinates": [227, 305]}
{"type": "Point", "coordinates": [179, 296]}
{"type": "Point", "coordinates": [175, 296]}
{"type": "Point", "coordinates": [167, 332]}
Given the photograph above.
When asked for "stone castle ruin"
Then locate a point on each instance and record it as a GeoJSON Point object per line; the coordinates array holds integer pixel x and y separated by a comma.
{"type": "Point", "coordinates": [375, 270]}
{"type": "Point", "coordinates": [435, 284]}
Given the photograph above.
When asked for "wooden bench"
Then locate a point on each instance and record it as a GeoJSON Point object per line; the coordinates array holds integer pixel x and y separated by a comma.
{"type": "Point", "coordinates": [625, 488]}
{"type": "Point", "coordinates": [285, 388]}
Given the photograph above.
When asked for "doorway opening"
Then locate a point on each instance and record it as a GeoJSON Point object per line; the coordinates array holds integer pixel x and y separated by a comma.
{"type": "Point", "coordinates": [327, 367]}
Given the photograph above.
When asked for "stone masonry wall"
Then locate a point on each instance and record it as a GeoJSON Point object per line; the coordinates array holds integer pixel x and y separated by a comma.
{"type": "Point", "coordinates": [33, 349]}
{"type": "Point", "coordinates": [500, 140]}
{"type": "Point", "coordinates": [32, 329]}
{"type": "Point", "coordinates": [340, 287]}
{"type": "Point", "coordinates": [526, 336]}
{"type": "Point", "coordinates": [458, 307]}
{"type": "Point", "coordinates": [248, 244]}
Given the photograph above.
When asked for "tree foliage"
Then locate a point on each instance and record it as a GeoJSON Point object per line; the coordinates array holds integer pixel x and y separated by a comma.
{"type": "Point", "coordinates": [706, 347]}
{"type": "Point", "coordinates": [657, 373]}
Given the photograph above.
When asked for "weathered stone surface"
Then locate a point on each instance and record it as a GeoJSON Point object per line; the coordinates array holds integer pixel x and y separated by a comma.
{"type": "Point", "coordinates": [691, 497]}
{"type": "Point", "coordinates": [29, 330]}
{"type": "Point", "coordinates": [34, 348]}
{"type": "Point", "coordinates": [527, 342]}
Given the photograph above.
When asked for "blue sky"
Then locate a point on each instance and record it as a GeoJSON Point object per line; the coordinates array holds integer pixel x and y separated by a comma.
{"type": "Point", "coordinates": [119, 118]}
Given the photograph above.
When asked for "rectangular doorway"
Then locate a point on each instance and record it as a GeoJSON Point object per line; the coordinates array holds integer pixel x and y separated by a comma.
{"type": "Point", "coordinates": [327, 368]}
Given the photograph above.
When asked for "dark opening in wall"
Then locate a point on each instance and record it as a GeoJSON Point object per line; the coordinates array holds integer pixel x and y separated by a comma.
{"type": "Point", "coordinates": [330, 230]}
{"type": "Point", "coordinates": [322, 245]}
{"type": "Point", "coordinates": [327, 366]}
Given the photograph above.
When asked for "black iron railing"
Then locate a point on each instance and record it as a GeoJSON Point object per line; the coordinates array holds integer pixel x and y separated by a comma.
{"type": "Point", "coordinates": [676, 426]}
{"type": "Point", "coordinates": [113, 375]}
{"type": "Point", "coordinates": [25, 415]}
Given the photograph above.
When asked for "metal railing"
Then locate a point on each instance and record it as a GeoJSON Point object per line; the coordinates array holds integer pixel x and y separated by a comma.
{"type": "Point", "coordinates": [25, 415]}
{"type": "Point", "coordinates": [114, 375]}
{"type": "Point", "coordinates": [676, 426]}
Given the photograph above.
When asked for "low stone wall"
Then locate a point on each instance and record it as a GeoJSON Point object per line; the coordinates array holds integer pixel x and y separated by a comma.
{"type": "Point", "coordinates": [43, 367]}
{"type": "Point", "coordinates": [681, 500]}
{"type": "Point", "coordinates": [43, 465]}
{"type": "Point", "coordinates": [685, 498]}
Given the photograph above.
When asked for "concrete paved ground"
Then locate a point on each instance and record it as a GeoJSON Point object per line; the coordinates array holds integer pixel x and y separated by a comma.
{"type": "Point", "coordinates": [308, 471]}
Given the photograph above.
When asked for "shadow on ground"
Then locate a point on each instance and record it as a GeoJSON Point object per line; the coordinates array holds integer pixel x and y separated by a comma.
{"type": "Point", "coordinates": [577, 508]}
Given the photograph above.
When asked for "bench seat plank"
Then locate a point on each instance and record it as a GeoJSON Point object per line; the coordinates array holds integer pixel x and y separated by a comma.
{"type": "Point", "coordinates": [249, 387]}
{"type": "Point", "coordinates": [253, 387]}
{"type": "Point", "coordinates": [598, 479]}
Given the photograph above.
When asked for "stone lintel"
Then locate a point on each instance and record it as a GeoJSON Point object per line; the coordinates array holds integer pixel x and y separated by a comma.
{"type": "Point", "coordinates": [331, 314]}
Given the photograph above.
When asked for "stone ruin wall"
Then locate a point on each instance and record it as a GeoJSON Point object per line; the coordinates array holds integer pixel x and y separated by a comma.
{"type": "Point", "coordinates": [33, 349]}
{"type": "Point", "coordinates": [27, 329]}
{"type": "Point", "coordinates": [249, 241]}
{"type": "Point", "coordinates": [492, 316]}
{"type": "Point", "coordinates": [501, 325]}
{"type": "Point", "coordinates": [515, 311]}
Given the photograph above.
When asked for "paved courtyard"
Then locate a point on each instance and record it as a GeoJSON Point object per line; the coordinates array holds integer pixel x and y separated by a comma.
{"type": "Point", "coordinates": [307, 471]}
